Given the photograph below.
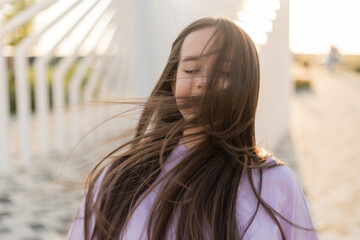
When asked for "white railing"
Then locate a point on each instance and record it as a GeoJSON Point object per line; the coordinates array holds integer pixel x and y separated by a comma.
{"type": "Point", "coordinates": [106, 22]}
{"type": "Point", "coordinates": [122, 49]}
{"type": "Point", "coordinates": [22, 93]}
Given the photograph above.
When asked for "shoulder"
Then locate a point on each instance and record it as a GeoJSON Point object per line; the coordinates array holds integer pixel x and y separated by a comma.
{"type": "Point", "coordinates": [280, 178]}
{"type": "Point", "coordinates": [281, 190]}
{"type": "Point", "coordinates": [273, 178]}
{"type": "Point", "coordinates": [277, 185]}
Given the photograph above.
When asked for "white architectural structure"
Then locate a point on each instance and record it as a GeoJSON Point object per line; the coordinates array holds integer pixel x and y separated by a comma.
{"type": "Point", "coordinates": [117, 48]}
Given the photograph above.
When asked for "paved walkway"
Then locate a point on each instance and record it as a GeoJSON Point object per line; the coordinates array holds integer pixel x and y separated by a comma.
{"type": "Point", "coordinates": [325, 131]}
{"type": "Point", "coordinates": [322, 147]}
{"type": "Point", "coordinates": [38, 204]}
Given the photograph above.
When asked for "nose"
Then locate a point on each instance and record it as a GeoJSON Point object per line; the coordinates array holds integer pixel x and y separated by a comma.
{"type": "Point", "coordinates": [200, 82]}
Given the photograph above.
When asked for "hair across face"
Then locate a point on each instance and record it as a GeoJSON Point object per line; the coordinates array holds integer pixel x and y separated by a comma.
{"type": "Point", "coordinates": [211, 81]}
{"type": "Point", "coordinates": [215, 78]}
{"type": "Point", "coordinates": [195, 66]}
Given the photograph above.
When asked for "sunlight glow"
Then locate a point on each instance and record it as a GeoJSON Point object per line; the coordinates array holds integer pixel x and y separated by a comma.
{"type": "Point", "coordinates": [257, 21]}
{"type": "Point", "coordinates": [258, 37]}
{"type": "Point", "coordinates": [263, 25]}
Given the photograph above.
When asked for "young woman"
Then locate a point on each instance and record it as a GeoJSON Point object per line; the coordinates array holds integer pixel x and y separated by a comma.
{"type": "Point", "coordinates": [193, 170]}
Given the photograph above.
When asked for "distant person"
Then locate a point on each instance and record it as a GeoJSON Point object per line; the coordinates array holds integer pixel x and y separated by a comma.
{"type": "Point", "coordinates": [332, 59]}
{"type": "Point", "coordinates": [193, 169]}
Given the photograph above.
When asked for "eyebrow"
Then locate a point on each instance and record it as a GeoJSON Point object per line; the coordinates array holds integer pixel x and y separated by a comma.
{"type": "Point", "coordinates": [196, 58]}
{"type": "Point", "coordinates": [190, 58]}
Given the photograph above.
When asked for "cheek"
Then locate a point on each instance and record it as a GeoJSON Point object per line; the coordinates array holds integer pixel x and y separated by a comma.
{"type": "Point", "coordinates": [183, 87]}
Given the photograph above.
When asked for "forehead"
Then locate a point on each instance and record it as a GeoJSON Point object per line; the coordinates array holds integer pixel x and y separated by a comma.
{"type": "Point", "coordinates": [197, 43]}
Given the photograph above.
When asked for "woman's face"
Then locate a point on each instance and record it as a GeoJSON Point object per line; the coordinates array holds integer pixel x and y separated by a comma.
{"type": "Point", "coordinates": [195, 66]}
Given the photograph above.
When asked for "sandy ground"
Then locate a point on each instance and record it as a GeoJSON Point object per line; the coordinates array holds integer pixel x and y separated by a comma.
{"type": "Point", "coordinates": [325, 133]}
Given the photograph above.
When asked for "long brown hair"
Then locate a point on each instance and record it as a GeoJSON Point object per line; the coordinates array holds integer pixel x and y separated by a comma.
{"type": "Point", "coordinates": [204, 185]}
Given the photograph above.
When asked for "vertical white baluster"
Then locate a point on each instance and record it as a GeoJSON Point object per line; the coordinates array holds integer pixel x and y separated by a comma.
{"type": "Point", "coordinates": [4, 118]}
{"type": "Point", "coordinates": [23, 107]}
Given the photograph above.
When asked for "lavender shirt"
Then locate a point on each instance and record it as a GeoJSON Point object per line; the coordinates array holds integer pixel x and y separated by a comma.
{"type": "Point", "coordinates": [280, 190]}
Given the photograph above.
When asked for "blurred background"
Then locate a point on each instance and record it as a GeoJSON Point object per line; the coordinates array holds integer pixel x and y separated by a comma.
{"type": "Point", "coordinates": [62, 62]}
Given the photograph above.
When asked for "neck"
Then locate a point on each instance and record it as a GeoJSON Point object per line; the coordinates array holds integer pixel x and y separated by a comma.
{"type": "Point", "coordinates": [193, 136]}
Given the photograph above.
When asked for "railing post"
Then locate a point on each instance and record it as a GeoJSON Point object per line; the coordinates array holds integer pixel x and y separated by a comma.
{"type": "Point", "coordinates": [4, 117]}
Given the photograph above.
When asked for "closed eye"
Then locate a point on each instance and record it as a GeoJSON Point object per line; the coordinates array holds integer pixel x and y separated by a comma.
{"type": "Point", "coordinates": [225, 74]}
{"type": "Point", "coordinates": [191, 71]}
